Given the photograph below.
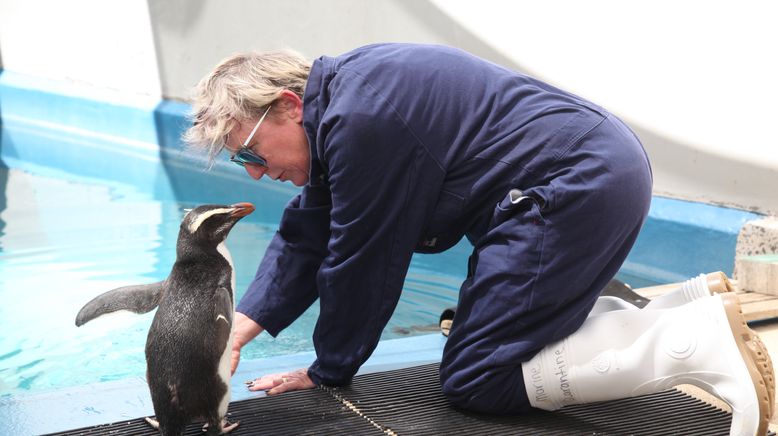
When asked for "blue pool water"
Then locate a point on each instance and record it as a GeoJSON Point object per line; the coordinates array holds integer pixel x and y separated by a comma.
{"type": "Point", "coordinates": [76, 223]}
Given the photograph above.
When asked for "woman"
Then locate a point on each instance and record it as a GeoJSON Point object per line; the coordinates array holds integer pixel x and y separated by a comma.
{"type": "Point", "coordinates": [406, 148]}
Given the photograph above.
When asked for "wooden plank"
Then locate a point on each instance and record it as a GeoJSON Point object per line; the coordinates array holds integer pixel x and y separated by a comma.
{"type": "Point", "coordinates": [760, 310]}
{"type": "Point", "coordinates": [754, 297]}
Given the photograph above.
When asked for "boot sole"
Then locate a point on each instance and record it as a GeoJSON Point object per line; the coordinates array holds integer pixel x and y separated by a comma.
{"type": "Point", "coordinates": [718, 283]}
{"type": "Point", "coordinates": [767, 362]}
{"type": "Point", "coordinates": [757, 347]}
{"type": "Point", "coordinates": [755, 357]}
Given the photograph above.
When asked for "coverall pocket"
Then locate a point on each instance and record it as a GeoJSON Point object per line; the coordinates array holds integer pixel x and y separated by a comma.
{"type": "Point", "coordinates": [514, 202]}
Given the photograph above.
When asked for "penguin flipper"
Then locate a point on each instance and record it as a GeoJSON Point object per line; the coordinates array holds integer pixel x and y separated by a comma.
{"type": "Point", "coordinates": [137, 299]}
{"type": "Point", "coordinates": [224, 306]}
{"type": "Point", "coordinates": [224, 311]}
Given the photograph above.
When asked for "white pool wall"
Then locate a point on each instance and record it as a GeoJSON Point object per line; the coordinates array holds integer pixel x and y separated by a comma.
{"type": "Point", "coordinates": [695, 79]}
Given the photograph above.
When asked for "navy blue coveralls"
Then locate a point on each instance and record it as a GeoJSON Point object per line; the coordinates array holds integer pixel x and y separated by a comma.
{"type": "Point", "coordinates": [414, 147]}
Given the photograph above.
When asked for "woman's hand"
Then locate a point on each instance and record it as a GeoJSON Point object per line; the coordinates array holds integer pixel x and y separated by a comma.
{"type": "Point", "coordinates": [282, 382]}
{"type": "Point", "coordinates": [245, 329]}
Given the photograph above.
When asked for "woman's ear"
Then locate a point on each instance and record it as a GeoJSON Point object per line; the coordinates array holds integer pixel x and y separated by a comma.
{"type": "Point", "coordinates": [291, 104]}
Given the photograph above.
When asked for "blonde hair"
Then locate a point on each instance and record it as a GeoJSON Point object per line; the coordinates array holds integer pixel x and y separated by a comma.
{"type": "Point", "coordinates": [239, 88]}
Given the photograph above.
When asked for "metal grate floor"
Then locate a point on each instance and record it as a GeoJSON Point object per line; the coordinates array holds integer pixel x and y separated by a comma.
{"type": "Point", "coordinates": [409, 402]}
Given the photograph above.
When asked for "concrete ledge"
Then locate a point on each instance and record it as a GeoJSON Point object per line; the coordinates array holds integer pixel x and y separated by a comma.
{"type": "Point", "coordinates": [756, 256]}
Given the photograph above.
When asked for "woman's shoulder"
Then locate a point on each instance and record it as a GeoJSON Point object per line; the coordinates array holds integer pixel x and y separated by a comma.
{"type": "Point", "coordinates": [406, 54]}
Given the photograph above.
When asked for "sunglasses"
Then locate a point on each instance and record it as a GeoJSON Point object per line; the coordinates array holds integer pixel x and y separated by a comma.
{"type": "Point", "coordinates": [246, 155]}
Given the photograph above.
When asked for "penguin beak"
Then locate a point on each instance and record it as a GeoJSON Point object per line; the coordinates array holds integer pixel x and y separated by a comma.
{"type": "Point", "coordinates": [239, 210]}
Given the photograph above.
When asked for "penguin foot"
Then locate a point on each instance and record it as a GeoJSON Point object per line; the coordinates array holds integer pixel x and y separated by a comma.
{"type": "Point", "coordinates": [153, 422]}
{"type": "Point", "coordinates": [226, 426]}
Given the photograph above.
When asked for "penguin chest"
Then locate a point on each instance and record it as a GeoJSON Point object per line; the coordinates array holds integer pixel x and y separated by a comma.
{"type": "Point", "coordinates": [225, 362]}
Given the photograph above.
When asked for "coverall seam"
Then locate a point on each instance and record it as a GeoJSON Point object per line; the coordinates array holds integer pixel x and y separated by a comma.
{"type": "Point", "coordinates": [509, 164]}
{"type": "Point", "coordinates": [396, 112]}
{"type": "Point", "coordinates": [576, 139]}
{"type": "Point", "coordinates": [540, 271]}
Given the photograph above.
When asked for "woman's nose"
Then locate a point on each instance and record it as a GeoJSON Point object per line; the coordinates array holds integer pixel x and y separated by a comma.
{"type": "Point", "coordinates": [255, 171]}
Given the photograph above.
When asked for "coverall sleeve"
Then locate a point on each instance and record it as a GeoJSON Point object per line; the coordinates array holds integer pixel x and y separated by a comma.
{"type": "Point", "coordinates": [285, 283]}
{"type": "Point", "coordinates": [376, 168]}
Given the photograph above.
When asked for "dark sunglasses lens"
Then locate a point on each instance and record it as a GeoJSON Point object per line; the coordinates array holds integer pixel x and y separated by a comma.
{"type": "Point", "coordinates": [247, 156]}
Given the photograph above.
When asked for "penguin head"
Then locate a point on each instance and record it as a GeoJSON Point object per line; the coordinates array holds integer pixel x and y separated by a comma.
{"type": "Point", "coordinates": [210, 224]}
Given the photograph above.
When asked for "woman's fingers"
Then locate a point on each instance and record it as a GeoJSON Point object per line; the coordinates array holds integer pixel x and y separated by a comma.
{"type": "Point", "coordinates": [283, 382]}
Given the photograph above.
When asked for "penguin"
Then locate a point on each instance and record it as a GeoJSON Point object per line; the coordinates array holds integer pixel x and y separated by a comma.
{"type": "Point", "coordinates": [189, 343]}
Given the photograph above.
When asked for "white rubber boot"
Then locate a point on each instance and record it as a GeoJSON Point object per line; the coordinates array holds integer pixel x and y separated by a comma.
{"type": "Point", "coordinates": [608, 303]}
{"type": "Point", "coordinates": [626, 353]}
{"type": "Point", "coordinates": [690, 290]}
{"type": "Point", "coordinates": [701, 286]}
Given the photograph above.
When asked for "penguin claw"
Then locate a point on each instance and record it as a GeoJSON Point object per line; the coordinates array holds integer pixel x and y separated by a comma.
{"type": "Point", "coordinates": [225, 427]}
{"type": "Point", "coordinates": [228, 427]}
{"type": "Point", "coordinates": [153, 422]}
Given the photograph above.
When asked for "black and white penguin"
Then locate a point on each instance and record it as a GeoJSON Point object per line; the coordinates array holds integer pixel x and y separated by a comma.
{"type": "Point", "coordinates": [190, 340]}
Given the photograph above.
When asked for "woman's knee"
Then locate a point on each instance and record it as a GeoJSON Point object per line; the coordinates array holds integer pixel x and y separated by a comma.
{"type": "Point", "coordinates": [494, 391]}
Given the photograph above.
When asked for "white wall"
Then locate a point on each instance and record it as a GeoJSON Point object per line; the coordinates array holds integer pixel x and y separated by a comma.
{"type": "Point", "coordinates": [193, 35]}
{"type": "Point", "coordinates": [696, 71]}
{"type": "Point", "coordinates": [695, 79]}
{"type": "Point", "coordinates": [105, 44]}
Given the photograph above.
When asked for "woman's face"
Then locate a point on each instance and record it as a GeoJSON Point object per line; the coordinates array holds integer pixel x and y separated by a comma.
{"type": "Point", "coordinates": [280, 140]}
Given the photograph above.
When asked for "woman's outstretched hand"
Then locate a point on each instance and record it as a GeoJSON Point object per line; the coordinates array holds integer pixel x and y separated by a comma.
{"type": "Point", "coordinates": [245, 329]}
{"type": "Point", "coordinates": [282, 382]}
